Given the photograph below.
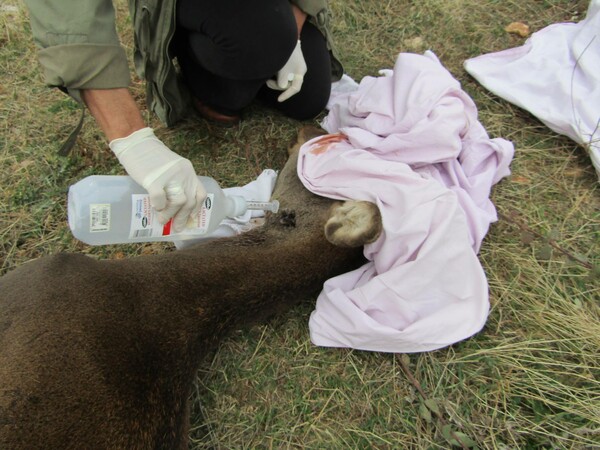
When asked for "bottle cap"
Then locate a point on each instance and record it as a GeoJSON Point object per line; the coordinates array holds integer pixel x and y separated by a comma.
{"type": "Point", "coordinates": [238, 204]}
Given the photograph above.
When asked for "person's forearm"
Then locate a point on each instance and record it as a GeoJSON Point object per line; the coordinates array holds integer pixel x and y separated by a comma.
{"type": "Point", "coordinates": [300, 17]}
{"type": "Point", "coordinates": [115, 111]}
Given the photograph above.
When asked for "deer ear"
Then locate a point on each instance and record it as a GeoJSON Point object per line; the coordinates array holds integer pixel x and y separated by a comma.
{"type": "Point", "coordinates": [353, 223]}
{"type": "Point", "coordinates": [305, 134]}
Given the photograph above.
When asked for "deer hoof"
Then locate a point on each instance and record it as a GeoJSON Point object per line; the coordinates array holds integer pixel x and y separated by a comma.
{"type": "Point", "coordinates": [353, 223]}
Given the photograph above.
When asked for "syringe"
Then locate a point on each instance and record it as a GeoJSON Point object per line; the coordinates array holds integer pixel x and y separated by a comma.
{"type": "Point", "coordinates": [272, 206]}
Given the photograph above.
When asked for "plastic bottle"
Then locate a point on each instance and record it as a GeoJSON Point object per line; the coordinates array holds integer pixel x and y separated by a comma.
{"type": "Point", "coordinates": [114, 209]}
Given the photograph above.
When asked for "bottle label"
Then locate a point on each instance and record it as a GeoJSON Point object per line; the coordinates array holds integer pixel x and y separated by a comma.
{"type": "Point", "coordinates": [144, 219]}
{"type": "Point", "coordinates": [99, 217]}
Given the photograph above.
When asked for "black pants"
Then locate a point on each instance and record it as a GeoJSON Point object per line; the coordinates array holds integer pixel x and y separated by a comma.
{"type": "Point", "coordinates": [227, 49]}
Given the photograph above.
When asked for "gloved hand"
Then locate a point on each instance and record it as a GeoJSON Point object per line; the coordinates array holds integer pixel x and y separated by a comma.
{"type": "Point", "coordinates": [291, 75]}
{"type": "Point", "coordinates": [170, 180]}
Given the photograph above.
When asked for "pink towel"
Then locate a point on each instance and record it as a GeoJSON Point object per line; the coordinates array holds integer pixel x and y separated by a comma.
{"type": "Point", "coordinates": [415, 147]}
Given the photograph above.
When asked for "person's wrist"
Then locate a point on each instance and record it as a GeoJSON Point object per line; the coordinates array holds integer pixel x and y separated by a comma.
{"type": "Point", "coordinates": [300, 17]}
{"type": "Point", "coordinates": [127, 132]}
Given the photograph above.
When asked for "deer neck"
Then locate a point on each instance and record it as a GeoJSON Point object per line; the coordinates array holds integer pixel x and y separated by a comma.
{"type": "Point", "coordinates": [201, 293]}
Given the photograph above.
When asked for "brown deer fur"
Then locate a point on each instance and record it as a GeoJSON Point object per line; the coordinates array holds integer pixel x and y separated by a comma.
{"type": "Point", "coordinates": [102, 354]}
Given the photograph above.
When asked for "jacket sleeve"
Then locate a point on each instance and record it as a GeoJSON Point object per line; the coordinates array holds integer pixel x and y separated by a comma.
{"type": "Point", "coordinates": [78, 44]}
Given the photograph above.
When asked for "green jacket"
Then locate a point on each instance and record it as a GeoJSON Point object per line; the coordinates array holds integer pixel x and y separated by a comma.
{"type": "Point", "coordinates": [80, 48]}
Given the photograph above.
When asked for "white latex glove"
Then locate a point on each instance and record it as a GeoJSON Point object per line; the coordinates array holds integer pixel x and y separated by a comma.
{"type": "Point", "coordinates": [291, 75]}
{"type": "Point", "coordinates": [170, 179]}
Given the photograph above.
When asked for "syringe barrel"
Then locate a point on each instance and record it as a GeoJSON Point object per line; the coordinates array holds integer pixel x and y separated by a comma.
{"type": "Point", "coordinates": [272, 206]}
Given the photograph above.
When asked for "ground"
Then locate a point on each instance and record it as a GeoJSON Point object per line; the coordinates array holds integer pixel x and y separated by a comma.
{"type": "Point", "coordinates": [530, 379]}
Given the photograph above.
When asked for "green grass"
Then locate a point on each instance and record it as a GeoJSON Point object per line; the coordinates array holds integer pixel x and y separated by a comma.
{"type": "Point", "coordinates": [529, 380]}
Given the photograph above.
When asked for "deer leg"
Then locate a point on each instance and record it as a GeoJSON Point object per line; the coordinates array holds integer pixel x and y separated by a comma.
{"type": "Point", "coordinates": [353, 223]}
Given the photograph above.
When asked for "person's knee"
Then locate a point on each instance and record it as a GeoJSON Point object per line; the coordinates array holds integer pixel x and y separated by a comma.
{"type": "Point", "coordinates": [306, 104]}
{"type": "Point", "coordinates": [308, 108]}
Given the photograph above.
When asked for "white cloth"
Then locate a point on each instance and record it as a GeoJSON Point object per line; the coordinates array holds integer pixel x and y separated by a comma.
{"type": "Point", "coordinates": [344, 85]}
{"type": "Point", "coordinates": [259, 190]}
{"type": "Point", "coordinates": [413, 145]}
{"type": "Point", "coordinates": [555, 75]}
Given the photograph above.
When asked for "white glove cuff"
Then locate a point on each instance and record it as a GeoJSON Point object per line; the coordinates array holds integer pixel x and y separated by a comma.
{"type": "Point", "coordinates": [120, 146]}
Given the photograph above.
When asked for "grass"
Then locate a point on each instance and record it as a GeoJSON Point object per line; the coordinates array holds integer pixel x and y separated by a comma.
{"type": "Point", "coordinates": [529, 380]}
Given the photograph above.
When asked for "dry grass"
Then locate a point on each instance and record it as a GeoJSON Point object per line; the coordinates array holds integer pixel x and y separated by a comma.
{"type": "Point", "coordinates": [529, 380]}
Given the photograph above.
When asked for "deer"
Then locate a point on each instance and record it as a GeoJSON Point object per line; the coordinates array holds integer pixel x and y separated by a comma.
{"type": "Point", "coordinates": [103, 353]}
